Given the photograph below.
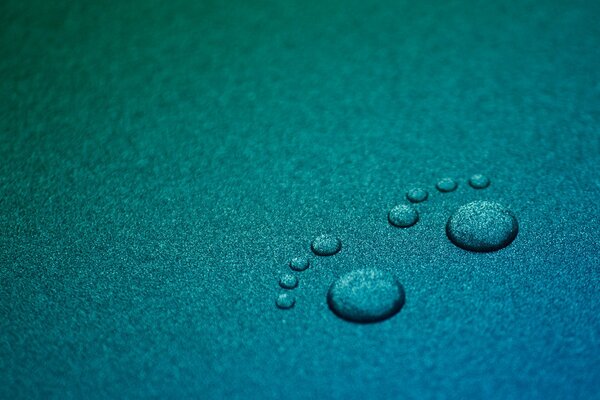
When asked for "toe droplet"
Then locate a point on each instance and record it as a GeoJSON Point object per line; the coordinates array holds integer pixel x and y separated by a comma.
{"type": "Point", "coordinates": [326, 245]}
{"type": "Point", "coordinates": [446, 185]}
{"type": "Point", "coordinates": [285, 301]}
{"type": "Point", "coordinates": [299, 263]}
{"type": "Point", "coordinates": [417, 195]}
{"type": "Point", "coordinates": [403, 216]}
{"type": "Point", "coordinates": [288, 281]}
{"type": "Point", "coordinates": [479, 181]}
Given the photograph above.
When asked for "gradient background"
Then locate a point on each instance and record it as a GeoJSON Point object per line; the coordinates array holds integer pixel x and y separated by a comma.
{"type": "Point", "coordinates": [160, 162]}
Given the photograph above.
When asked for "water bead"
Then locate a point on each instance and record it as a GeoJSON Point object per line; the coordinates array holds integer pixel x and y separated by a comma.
{"type": "Point", "coordinates": [417, 195]}
{"type": "Point", "coordinates": [326, 245]}
{"type": "Point", "coordinates": [482, 226]}
{"type": "Point", "coordinates": [479, 181]}
{"type": "Point", "coordinates": [403, 216]}
{"type": "Point", "coordinates": [446, 185]}
{"type": "Point", "coordinates": [366, 295]}
{"type": "Point", "coordinates": [285, 301]}
{"type": "Point", "coordinates": [299, 263]}
{"type": "Point", "coordinates": [288, 281]}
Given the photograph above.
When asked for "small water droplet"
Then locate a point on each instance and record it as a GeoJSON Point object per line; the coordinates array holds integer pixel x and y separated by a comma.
{"type": "Point", "coordinates": [299, 263]}
{"type": "Point", "coordinates": [479, 181]}
{"type": "Point", "coordinates": [482, 226]}
{"type": "Point", "coordinates": [288, 281]}
{"type": "Point", "coordinates": [366, 295]}
{"type": "Point", "coordinates": [417, 195]}
{"type": "Point", "coordinates": [446, 185]}
{"type": "Point", "coordinates": [403, 216]}
{"type": "Point", "coordinates": [326, 245]}
{"type": "Point", "coordinates": [285, 301]}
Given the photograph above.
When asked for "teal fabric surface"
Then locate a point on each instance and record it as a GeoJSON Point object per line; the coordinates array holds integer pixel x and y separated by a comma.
{"type": "Point", "coordinates": [161, 163]}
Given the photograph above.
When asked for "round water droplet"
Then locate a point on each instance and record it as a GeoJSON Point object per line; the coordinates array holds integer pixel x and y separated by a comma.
{"type": "Point", "coordinates": [479, 181]}
{"type": "Point", "coordinates": [366, 295]}
{"type": "Point", "coordinates": [288, 281]}
{"type": "Point", "coordinates": [299, 263]}
{"type": "Point", "coordinates": [326, 245]}
{"type": "Point", "coordinates": [403, 216]}
{"type": "Point", "coordinates": [482, 226]}
{"type": "Point", "coordinates": [417, 195]}
{"type": "Point", "coordinates": [285, 301]}
{"type": "Point", "coordinates": [446, 185]}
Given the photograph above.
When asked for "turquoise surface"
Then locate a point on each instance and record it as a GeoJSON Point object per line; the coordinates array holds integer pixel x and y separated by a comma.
{"type": "Point", "coordinates": [162, 162]}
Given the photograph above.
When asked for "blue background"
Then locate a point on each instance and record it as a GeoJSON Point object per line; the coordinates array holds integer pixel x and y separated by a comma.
{"type": "Point", "coordinates": [162, 161]}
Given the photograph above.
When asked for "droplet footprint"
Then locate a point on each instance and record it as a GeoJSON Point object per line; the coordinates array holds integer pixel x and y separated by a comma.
{"type": "Point", "coordinates": [371, 295]}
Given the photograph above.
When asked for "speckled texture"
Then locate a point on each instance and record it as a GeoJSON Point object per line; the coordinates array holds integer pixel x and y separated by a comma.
{"type": "Point", "coordinates": [162, 161]}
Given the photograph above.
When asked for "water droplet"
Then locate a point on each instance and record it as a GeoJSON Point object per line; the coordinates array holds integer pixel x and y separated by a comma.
{"type": "Point", "coordinates": [417, 195]}
{"type": "Point", "coordinates": [285, 301]}
{"type": "Point", "coordinates": [403, 216]}
{"type": "Point", "coordinates": [366, 295]}
{"type": "Point", "coordinates": [288, 281]}
{"type": "Point", "coordinates": [446, 185]}
{"type": "Point", "coordinates": [482, 226]}
{"type": "Point", "coordinates": [299, 263]}
{"type": "Point", "coordinates": [479, 181]}
{"type": "Point", "coordinates": [326, 245]}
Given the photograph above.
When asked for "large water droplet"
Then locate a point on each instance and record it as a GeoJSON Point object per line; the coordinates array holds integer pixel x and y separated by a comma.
{"type": "Point", "coordinates": [285, 301]}
{"type": "Point", "coordinates": [482, 226]}
{"type": "Point", "coordinates": [366, 295]}
{"type": "Point", "coordinates": [479, 181]}
{"type": "Point", "coordinates": [326, 245]}
{"type": "Point", "coordinates": [288, 281]}
{"type": "Point", "coordinates": [446, 185]}
{"type": "Point", "coordinates": [403, 216]}
{"type": "Point", "coordinates": [417, 195]}
{"type": "Point", "coordinates": [299, 263]}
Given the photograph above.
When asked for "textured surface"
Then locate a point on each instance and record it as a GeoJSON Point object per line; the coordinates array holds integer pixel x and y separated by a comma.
{"type": "Point", "coordinates": [162, 161]}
